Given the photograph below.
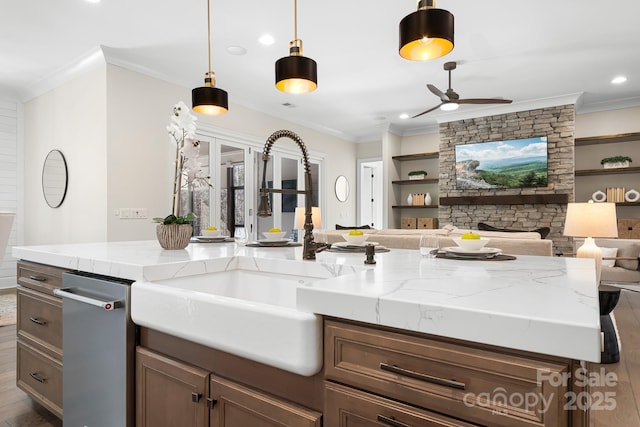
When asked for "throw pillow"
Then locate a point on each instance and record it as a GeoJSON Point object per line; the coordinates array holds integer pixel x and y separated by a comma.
{"type": "Point", "coordinates": [609, 253]}
{"type": "Point", "coordinates": [633, 251]}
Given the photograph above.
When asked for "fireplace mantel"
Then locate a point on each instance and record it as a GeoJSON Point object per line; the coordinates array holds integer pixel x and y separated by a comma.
{"type": "Point", "coordinates": [513, 199]}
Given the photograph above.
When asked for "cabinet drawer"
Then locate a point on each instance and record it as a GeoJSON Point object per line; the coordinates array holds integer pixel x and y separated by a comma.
{"type": "Point", "coordinates": [474, 384]}
{"type": "Point", "coordinates": [39, 277]}
{"type": "Point", "coordinates": [348, 407]}
{"type": "Point", "coordinates": [40, 376]}
{"type": "Point", "coordinates": [40, 320]}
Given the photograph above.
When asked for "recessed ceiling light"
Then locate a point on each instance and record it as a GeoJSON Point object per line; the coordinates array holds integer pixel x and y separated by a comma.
{"type": "Point", "coordinates": [619, 79]}
{"type": "Point", "coordinates": [266, 39]}
{"type": "Point", "coordinates": [236, 50]}
{"type": "Point", "coordinates": [404, 116]}
{"type": "Point", "coordinates": [92, 1]}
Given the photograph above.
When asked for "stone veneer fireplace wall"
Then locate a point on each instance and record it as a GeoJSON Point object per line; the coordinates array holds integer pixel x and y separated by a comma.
{"type": "Point", "coordinates": [529, 207]}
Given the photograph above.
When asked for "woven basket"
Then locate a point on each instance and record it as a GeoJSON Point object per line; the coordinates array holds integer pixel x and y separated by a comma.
{"type": "Point", "coordinates": [174, 236]}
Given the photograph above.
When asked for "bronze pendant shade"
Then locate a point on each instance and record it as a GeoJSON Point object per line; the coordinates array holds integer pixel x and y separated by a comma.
{"type": "Point", "coordinates": [209, 99]}
{"type": "Point", "coordinates": [296, 74]}
{"type": "Point", "coordinates": [426, 33]}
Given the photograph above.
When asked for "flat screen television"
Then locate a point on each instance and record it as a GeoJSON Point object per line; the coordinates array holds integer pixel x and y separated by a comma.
{"type": "Point", "coordinates": [517, 163]}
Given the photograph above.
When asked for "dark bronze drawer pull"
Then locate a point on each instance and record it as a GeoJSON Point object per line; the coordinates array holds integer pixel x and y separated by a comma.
{"type": "Point", "coordinates": [38, 278]}
{"type": "Point", "coordinates": [38, 321]}
{"type": "Point", "coordinates": [422, 377]}
{"type": "Point", "coordinates": [391, 421]}
{"type": "Point", "coordinates": [38, 378]}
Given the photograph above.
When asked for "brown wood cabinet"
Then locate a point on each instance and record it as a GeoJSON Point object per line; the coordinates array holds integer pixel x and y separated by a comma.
{"type": "Point", "coordinates": [474, 383]}
{"type": "Point", "coordinates": [39, 334]}
{"type": "Point", "coordinates": [233, 405]}
{"type": "Point", "coordinates": [169, 393]}
{"type": "Point", "coordinates": [175, 393]}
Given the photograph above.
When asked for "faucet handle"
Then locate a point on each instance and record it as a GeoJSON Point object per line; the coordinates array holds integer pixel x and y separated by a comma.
{"type": "Point", "coordinates": [370, 251]}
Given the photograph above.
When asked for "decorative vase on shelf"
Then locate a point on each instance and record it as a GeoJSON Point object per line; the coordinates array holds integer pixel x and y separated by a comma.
{"type": "Point", "coordinates": [174, 236]}
{"type": "Point", "coordinates": [409, 199]}
{"type": "Point", "coordinates": [427, 199]}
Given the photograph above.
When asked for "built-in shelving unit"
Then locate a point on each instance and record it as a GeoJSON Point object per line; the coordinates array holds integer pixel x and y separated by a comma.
{"type": "Point", "coordinates": [590, 178]}
{"type": "Point", "coordinates": [413, 157]}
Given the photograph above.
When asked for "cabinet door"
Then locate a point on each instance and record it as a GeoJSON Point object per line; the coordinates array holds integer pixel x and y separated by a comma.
{"type": "Point", "coordinates": [169, 393]}
{"type": "Point", "coordinates": [236, 406]}
{"type": "Point", "coordinates": [348, 407]}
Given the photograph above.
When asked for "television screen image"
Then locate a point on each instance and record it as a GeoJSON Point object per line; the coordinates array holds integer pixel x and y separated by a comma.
{"type": "Point", "coordinates": [517, 163]}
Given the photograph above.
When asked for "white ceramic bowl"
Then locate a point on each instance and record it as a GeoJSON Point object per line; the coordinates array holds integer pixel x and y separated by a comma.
{"type": "Point", "coordinates": [471, 244]}
{"type": "Point", "coordinates": [355, 240]}
{"type": "Point", "coordinates": [211, 233]}
{"type": "Point", "coordinates": [270, 235]}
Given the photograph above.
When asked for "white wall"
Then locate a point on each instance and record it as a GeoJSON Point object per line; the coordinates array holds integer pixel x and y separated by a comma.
{"type": "Point", "coordinates": [611, 122]}
{"type": "Point", "coordinates": [110, 123]}
{"type": "Point", "coordinates": [72, 119]}
{"type": "Point", "coordinates": [10, 180]}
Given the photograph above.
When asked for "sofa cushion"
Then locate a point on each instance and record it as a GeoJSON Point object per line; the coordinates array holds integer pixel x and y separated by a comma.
{"type": "Point", "coordinates": [609, 253]}
{"type": "Point", "coordinates": [619, 275]}
{"type": "Point", "coordinates": [543, 231]}
{"type": "Point", "coordinates": [631, 250]}
{"type": "Point", "coordinates": [355, 227]}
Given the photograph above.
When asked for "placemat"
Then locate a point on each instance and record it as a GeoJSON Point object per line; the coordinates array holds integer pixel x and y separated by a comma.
{"type": "Point", "coordinates": [288, 245]}
{"type": "Point", "coordinates": [500, 257]}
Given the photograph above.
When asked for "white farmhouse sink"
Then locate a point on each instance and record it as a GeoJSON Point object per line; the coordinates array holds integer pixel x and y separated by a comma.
{"type": "Point", "coordinates": [247, 309]}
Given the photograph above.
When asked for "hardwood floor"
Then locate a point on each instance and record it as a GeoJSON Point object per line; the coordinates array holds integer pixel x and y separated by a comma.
{"type": "Point", "coordinates": [17, 410]}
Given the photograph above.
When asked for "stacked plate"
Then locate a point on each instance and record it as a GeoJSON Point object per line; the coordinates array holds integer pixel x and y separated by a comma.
{"type": "Point", "coordinates": [205, 239]}
{"type": "Point", "coordinates": [273, 242]}
{"type": "Point", "coordinates": [482, 253]}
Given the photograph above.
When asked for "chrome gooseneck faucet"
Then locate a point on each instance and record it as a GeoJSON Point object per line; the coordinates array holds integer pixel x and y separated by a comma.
{"type": "Point", "coordinates": [310, 246]}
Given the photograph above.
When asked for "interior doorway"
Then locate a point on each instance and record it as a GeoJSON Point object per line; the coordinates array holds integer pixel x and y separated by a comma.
{"type": "Point", "coordinates": [370, 193]}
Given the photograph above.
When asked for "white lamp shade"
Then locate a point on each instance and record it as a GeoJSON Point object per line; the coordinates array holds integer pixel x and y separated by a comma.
{"type": "Point", "coordinates": [591, 220]}
{"type": "Point", "coordinates": [316, 217]}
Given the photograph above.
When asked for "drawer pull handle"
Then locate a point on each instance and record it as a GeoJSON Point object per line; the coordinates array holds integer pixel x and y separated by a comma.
{"type": "Point", "coordinates": [38, 321]}
{"type": "Point", "coordinates": [391, 421]}
{"type": "Point", "coordinates": [38, 378]}
{"type": "Point", "coordinates": [423, 377]}
{"type": "Point", "coordinates": [38, 278]}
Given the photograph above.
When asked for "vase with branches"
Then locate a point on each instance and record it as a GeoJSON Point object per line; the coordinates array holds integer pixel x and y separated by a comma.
{"type": "Point", "coordinates": [188, 174]}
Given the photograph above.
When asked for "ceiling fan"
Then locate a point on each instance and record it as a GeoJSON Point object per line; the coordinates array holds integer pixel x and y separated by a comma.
{"type": "Point", "coordinates": [450, 100]}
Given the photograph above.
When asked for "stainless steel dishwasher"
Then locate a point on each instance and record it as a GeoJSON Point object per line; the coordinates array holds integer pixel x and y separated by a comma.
{"type": "Point", "coordinates": [98, 344]}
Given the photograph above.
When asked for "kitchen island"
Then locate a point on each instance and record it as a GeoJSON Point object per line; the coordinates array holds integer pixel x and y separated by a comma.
{"type": "Point", "coordinates": [516, 318]}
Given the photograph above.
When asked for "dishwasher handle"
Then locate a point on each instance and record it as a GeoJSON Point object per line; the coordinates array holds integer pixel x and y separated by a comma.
{"type": "Point", "coordinates": [107, 305]}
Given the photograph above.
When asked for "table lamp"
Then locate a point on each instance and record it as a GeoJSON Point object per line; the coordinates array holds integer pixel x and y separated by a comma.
{"type": "Point", "coordinates": [316, 218]}
{"type": "Point", "coordinates": [591, 220]}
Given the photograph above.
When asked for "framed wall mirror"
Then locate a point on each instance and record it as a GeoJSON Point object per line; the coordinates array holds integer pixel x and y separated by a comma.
{"type": "Point", "coordinates": [54, 178]}
{"type": "Point", "coordinates": [342, 188]}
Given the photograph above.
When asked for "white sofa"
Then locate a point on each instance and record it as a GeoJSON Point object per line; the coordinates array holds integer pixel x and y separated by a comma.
{"type": "Point", "coordinates": [625, 268]}
{"type": "Point", "coordinates": [515, 243]}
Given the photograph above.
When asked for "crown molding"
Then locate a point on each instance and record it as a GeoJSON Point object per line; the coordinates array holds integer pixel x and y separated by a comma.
{"type": "Point", "coordinates": [89, 61]}
{"type": "Point", "coordinates": [572, 98]}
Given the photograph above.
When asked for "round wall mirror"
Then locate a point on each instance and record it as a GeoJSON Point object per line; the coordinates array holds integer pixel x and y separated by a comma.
{"type": "Point", "coordinates": [342, 188]}
{"type": "Point", "coordinates": [54, 178]}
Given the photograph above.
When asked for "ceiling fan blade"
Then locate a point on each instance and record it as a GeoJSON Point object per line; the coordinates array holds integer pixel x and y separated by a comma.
{"type": "Point", "coordinates": [428, 111]}
{"type": "Point", "coordinates": [484, 101]}
{"type": "Point", "coordinates": [437, 92]}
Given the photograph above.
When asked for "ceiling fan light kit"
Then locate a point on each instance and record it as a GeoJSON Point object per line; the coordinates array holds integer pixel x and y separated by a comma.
{"type": "Point", "coordinates": [296, 73]}
{"type": "Point", "coordinates": [450, 100]}
{"type": "Point", "coordinates": [209, 99]}
{"type": "Point", "coordinates": [426, 33]}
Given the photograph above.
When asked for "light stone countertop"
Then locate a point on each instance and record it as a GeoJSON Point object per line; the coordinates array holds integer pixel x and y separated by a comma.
{"type": "Point", "coordinates": [547, 305]}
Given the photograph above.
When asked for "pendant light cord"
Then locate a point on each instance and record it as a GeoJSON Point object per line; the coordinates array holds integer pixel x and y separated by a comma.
{"type": "Point", "coordinates": [209, 35]}
{"type": "Point", "coordinates": [295, 19]}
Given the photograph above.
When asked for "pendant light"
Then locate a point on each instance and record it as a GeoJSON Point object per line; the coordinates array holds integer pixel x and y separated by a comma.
{"type": "Point", "coordinates": [427, 33]}
{"type": "Point", "coordinates": [209, 99]}
{"type": "Point", "coordinates": [296, 73]}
